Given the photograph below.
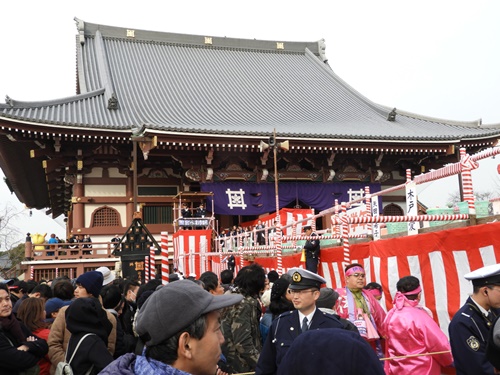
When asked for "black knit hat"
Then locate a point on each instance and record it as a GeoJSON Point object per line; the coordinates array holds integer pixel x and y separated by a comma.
{"type": "Point", "coordinates": [92, 282]}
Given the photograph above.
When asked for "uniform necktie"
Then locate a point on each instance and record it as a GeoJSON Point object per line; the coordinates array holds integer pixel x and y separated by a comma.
{"type": "Point", "coordinates": [490, 317]}
{"type": "Point", "coordinates": [304, 324]}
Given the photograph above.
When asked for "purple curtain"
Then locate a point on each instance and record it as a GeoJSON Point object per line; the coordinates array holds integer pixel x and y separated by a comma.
{"type": "Point", "coordinates": [245, 198]}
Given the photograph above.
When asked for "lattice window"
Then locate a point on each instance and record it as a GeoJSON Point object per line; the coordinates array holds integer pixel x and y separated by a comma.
{"type": "Point", "coordinates": [393, 210]}
{"type": "Point", "coordinates": [105, 217]}
{"type": "Point", "coordinates": [158, 214]}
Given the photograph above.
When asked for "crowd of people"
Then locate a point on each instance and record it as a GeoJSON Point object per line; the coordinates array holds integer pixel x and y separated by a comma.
{"type": "Point", "coordinates": [251, 322]}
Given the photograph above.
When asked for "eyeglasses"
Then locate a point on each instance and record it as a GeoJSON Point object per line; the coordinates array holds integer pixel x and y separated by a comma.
{"type": "Point", "coordinates": [359, 275]}
{"type": "Point", "coordinates": [293, 291]}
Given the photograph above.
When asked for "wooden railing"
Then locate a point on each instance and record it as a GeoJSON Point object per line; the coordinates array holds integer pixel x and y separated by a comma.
{"type": "Point", "coordinates": [61, 251]}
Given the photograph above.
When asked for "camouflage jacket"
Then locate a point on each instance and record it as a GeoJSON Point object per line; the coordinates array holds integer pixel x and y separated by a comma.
{"type": "Point", "coordinates": [240, 326]}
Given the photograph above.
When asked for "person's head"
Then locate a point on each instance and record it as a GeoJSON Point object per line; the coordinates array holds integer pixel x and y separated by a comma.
{"type": "Point", "coordinates": [146, 290]}
{"type": "Point", "coordinates": [89, 284]}
{"type": "Point", "coordinates": [212, 283]}
{"type": "Point", "coordinates": [190, 342]}
{"type": "Point", "coordinates": [226, 277]}
{"type": "Point", "coordinates": [250, 280]}
{"type": "Point", "coordinates": [375, 289]}
{"type": "Point", "coordinates": [130, 290]}
{"type": "Point", "coordinates": [108, 275]}
{"type": "Point", "coordinates": [327, 298]}
{"type": "Point", "coordinates": [32, 313]}
{"type": "Point", "coordinates": [355, 276]}
{"type": "Point", "coordinates": [5, 302]}
{"type": "Point", "coordinates": [486, 286]}
{"type": "Point", "coordinates": [52, 307]}
{"type": "Point", "coordinates": [272, 276]}
{"type": "Point", "coordinates": [112, 298]}
{"type": "Point", "coordinates": [19, 288]}
{"type": "Point", "coordinates": [410, 287]}
{"type": "Point", "coordinates": [86, 315]}
{"type": "Point", "coordinates": [308, 230]}
{"type": "Point", "coordinates": [280, 299]}
{"type": "Point", "coordinates": [63, 289]}
{"type": "Point", "coordinates": [42, 291]}
{"type": "Point", "coordinates": [304, 289]}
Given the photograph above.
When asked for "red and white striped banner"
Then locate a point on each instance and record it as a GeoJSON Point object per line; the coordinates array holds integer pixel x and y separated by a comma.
{"type": "Point", "coordinates": [189, 246]}
{"type": "Point", "coordinates": [164, 258]}
{"type": "Point", "coordinates": [152, 263]}
{"type": "Point", "coordinates": [438, 259]}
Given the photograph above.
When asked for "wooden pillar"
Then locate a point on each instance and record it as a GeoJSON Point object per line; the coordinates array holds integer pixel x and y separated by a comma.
{"type": "Point", "coordinates": [130, 205]}
{"type": "Point", "coordinates": [78, 208]}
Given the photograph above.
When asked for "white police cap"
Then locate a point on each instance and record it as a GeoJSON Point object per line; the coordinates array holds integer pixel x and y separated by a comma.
{"type": "Point", "coordinates": [485, 276]}
{"type": "Point", "coordinates": [304, 279]}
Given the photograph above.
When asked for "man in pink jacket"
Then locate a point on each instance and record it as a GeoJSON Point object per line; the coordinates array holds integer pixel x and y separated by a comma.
{"type": "Point", "coordinates": [355, 303]}
{"type": "Point", "coordinates": [410, 331]}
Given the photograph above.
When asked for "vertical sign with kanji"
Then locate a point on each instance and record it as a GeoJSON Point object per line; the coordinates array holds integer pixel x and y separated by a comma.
{"type": "Point", "coordinates": [375, 212]}
{"type": "Point", "coordinates": [412, 207]}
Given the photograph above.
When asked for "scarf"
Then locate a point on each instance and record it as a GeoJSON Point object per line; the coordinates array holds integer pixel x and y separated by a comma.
{"type": "Point", "coordinates": [149, 366]}
{"type": "Point", "coordinates": [358, 299]}
{"type": "Point", "coordinates": [12, 326]}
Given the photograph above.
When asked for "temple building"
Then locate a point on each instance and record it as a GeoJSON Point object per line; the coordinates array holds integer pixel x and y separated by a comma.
{"type": "Point", "coordinates": [159, 116]}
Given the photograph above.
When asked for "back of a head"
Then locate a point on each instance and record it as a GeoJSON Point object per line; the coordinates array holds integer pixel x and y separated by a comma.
{"type": "Point", "coordinates": [272, 276]}
{"type": "Point", "coordinates": [63, 289]}
{"type": "Point", "coordinates": [226, 277]}
{"type": "Point", "coordinates": [30, 312]}
{"type": "Point", "coordinates": [407, 284]}
{"type": "Point", "coordinates": [327, 298]}
{"type": "Point", "coordinates": [86, 315]}
{"type": "Point", "coordinates": [251, 279]}
{"type": "Point", "coordinates": [111, 296]}
{"type": "Point", "coordinates": [31, 284]}
{"type": "Point", "coordinates": [210, 280]}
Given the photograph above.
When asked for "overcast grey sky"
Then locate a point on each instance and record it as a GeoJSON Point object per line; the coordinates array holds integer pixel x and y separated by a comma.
{"type": "Point", "coordinates": [435, 58]}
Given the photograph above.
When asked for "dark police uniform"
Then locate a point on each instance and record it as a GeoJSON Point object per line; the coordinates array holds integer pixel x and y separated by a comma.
{"type": "Point", "coordinates": [330, 351]}
{"type": "Point", "coordinates": [312, 248]}
{"type": "Point", "coordinates": [470, 329]}
{"type": "Point", "coordinates": [469, 332]}
{"type": "Point", "coordinates": [286, 327]}
{"type": "Point", "coordinates": [283, 331]}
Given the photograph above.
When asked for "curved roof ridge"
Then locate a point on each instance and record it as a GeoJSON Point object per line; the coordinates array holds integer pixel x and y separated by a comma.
{"type": "Point", "coordinates": [382, 110]}
{"type": "Point", "coordinates": [103, 70]}
{"type": "Point", "coordinates": [471, 124]}
{"type": "Point", "coordinates": [11, 103]}
{"type": "Point", "coordinates": [278, 46]}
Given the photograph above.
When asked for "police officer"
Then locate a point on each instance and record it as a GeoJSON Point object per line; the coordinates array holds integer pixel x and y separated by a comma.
{"type": "Point", "coordinates": [288, 326]}
{"type": "Point", "coordinates": [470, 327]}
{"type": "Point", "coordinates": [312, 248]}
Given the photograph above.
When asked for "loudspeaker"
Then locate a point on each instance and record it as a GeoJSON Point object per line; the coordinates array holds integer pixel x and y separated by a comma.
{"type": "Point", "coordinates": [263, 146]}
{"type": "Point", "coordinates": [285, 145]}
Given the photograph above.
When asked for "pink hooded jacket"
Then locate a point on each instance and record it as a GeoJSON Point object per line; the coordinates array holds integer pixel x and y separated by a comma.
{"type": "Point", "coordinates": [410, 330]}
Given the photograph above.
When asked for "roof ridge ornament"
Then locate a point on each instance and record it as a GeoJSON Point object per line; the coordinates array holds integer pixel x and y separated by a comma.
{"type": "Point", "coordinates": [80, 26]}
{"type": "Point", "coordinates": [113, 102]}
{"type": "Point", "coordinates": [321, 50]}
{"type": "Point", "coordinates": [392, 115]}
{"type": "Point", "coordinates": [9, 101]}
